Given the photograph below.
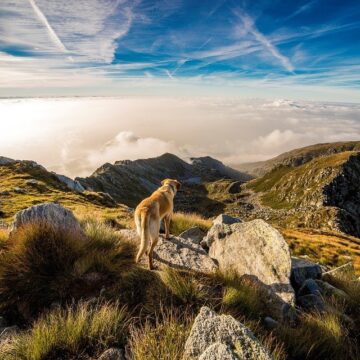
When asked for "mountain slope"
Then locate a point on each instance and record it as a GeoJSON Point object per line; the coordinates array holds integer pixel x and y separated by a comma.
{"type": "Point", "coordinates": [298, 157]}
{"type": "Point", "coordinates": [25, 183]}
{"type": "Point", "coordinates": [322, 193]}
{"type": "Point", "coordinates": [130, 181]}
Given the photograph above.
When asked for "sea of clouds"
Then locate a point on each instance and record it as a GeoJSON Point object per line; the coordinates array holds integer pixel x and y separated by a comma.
{"type": "Point", "coordinates": [74, 136]}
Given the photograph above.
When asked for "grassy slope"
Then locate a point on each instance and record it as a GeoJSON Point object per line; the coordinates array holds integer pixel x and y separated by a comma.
{"type": "Point", "coordinates": [287, 187]}
{"type": "Point", "coordinates": [48, 188]}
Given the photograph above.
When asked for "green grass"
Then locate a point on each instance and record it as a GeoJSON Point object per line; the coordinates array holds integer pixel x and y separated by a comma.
{"type": "Point", "coordinates": [183, 221]}
{"type": "Point", "coordinates": [183, 285]}
{"type": "Point", "coordinates": [42, 265]}
{"type": "Point", "coordinates": [162, 339]}
{"type": "Point", "coordinates": [79, 329]}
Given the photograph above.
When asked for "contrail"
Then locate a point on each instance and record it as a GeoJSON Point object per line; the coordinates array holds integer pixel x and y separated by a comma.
{"type": "Point", "coordinates": [50, 30]}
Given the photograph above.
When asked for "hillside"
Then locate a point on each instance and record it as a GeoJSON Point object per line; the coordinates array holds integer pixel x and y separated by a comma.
{"type": "Point", "coordinates": [322, 193]}
{"type": "Point", "coordinates": [298, 157]}
{"type": "Point", "coordinates": [130, 181]}
{"type": "Point", "coordinates": [26, 183]}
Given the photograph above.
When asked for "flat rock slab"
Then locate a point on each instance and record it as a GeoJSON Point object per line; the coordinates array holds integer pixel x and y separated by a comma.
{"type": "Point", "coordinates": [177, 253]}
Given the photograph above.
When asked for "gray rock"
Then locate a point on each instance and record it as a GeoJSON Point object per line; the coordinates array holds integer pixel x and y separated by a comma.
{"type": "Point", "coordinates": [18, 190]}
{"type": "Point", "coordinates": [329, 290]}
{"type": "Point", "coordinates": [219, 351]}
{"type": "Point", "coordinates": [226, 219]}
{"type": "Point", "coordinates": [257, 250]}
{"type": "Point", "coordinates": [49, 213]}
{"type": "Point", "coordinates": [311, 302]}
{"type": "Point", "coordinates": [32, 182]}
{"type": "Point", "coordinates": [302, 270]}
{"type": "Point", "coordinates": [177, 253]}
{"type": "Point", "coordinates": [70, 183]}
{"type": "Point", "coordinates": [220, 226]}
{"type": "Point", "coordinates": [6, 161]}
{"type": "Point", "coordinates": [210, 330]}
{"type": "Point", "coordinates": [112, 354]}
{"type": "Point", "coordinates": [309, 286]}
{"type": "Point", "coordinates": [270, 323]}
{"type": "Point", "coordinates": [195, 234]}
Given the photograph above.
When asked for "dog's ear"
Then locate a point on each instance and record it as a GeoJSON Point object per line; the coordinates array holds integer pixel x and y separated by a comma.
{"type": "Point", "coordinates": [178, 184]}
{"type": "Point", "coordinates": [163, 182]}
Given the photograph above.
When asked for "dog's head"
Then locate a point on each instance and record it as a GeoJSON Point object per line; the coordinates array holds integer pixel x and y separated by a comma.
{"type": "Point", "coordinates": [174, 184]}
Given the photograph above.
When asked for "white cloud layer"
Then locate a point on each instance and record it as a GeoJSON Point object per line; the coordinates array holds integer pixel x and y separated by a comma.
{"type": "Point", "coordinates": [74, 136]}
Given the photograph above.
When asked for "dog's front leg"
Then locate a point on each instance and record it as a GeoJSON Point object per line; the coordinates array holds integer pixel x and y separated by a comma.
{"type": "Point", "coordinates": [167, 220]}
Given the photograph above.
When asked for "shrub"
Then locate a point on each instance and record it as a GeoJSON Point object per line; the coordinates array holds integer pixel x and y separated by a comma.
{"type": "Point", "coordinates": [78, 329]}
{"type": "Point", "coordinates": [183, 221]}
{"type": "Point", "coordinates": [42, 265]}
{"type": "Point", "coordinates": [163, 339]}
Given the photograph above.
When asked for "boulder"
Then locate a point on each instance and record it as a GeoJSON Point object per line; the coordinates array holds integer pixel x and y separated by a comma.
{"type": "Point", "coordinates": [194, 234]}
{"type": "Point", "coordinates": [309, 286]}
{"type": "Point", "coordinates": [311, 302]}
{"type": "Point", "coordinates": [73, 185]}
{"type": "Point", "coordinates": [257, 250]}
{"type": "Point", "coordinates": [329, 290]}
{"type": "Point", "coordinates": [220, 226]}
{"type": "Point", "coordinates": [224, 219]}
{"type": "Point", "coordinates": [50, 213]}
{"type": "Point", "coordinates": [219, 351]}
{"type": "Point", "coordinates": [219, 337]}
{"type": "Point", "coordinates": [112, 354]}
{"type": "Point", "coordinates": [302, 270]}
{"type": "Point", "coordinates": [270, 323]}
{"type": "Point", "coordinates": [177, 253]}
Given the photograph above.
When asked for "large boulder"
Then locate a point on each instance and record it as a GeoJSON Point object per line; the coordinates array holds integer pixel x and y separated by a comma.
{"type": "Point", "coordinates": [52, 214]}
{"type": "Point", "coordinates": [177, 253]}
{"type": "Point", "coordinates": [219, 337]}
{"type": "Point", "coordinates": [257, 250]}
{"type": "Point", "coordinates": [220, 226]}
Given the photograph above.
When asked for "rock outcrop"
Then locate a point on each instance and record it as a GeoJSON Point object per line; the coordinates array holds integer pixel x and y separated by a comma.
{"type": "Point", "coordinates": [194, 234]}
{"type": "Point", "coordinates": [255, 249]}
{"type": "Point", "coordinates": [220, 337]}
{"type": "Point", "coordinates": [177, 253]}
{"type": "Point", "coordinates": [49, 213]}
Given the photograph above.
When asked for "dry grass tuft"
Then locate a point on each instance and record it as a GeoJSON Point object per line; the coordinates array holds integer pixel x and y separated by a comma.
{"type": "Point", "coordinates": [79, 329]}
{"type": "Point", "coordinates": [183, 221]}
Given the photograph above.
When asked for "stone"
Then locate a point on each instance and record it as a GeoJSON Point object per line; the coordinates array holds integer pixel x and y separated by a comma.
{"type": "Point", "coordinates": [257, 250]}
{"type": "Point", "coordinates": [309, 286]}
{"type": "Point", "coordinates": [49, 213]}
{"type": "Point", "coordinates": [226, 219]}
{"type": "Point", "coordinates": [177, 253]}
{"type": "Point", "coordinates": [195, 234]}
{"type": "Point", "coordinates": [329, 290]}
{"type": "Point", "coordinates": [210, 330]}
{"type": "Point", "coordinates": [73, 185]}
{"type": "Point", "coordinates": [218, 351]}
{"type": "Point", "coordinates": [302, 270]}
{"type": "Point", "coordinates": [270, 323]}
{"type": "Point", "coordinates": [311, 302]}
{"type": "Point", "coordinates": [112, 354]}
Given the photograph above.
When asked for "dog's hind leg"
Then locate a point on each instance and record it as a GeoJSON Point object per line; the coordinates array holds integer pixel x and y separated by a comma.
{"type": "Point", "coordinates": [154, 235]}
{"type": "Point", "coordinates": [144, 234]}
{"type": "Point", "coordinates": [153, 244]}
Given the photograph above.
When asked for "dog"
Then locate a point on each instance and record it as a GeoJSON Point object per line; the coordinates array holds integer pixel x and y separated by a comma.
{"type": "Point", "coordinates": [149, 213]}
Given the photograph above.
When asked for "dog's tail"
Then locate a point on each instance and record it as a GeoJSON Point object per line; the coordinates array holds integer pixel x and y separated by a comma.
{"type": "Point", "coordinates": [144, 234]}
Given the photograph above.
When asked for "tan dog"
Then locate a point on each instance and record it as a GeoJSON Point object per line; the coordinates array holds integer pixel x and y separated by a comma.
{"type": "Point", "coordinates": [149, 213]}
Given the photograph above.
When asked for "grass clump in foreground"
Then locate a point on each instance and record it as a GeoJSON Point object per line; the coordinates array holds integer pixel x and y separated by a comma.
{"type": "Point", "coordinates": [183, 221]}
{"type": "Point", "coordinates": [42, 265]}
{"type": "Point", "coordinates": [79, 329]}
{"type": "Point", "coordinates": [163, 338]}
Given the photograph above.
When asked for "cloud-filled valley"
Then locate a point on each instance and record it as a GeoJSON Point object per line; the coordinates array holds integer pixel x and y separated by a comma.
{"type": "Point", "coordinates": [76, 135]}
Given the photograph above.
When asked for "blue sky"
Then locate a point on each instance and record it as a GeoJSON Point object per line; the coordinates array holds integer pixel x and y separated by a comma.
{"type": "Point", "coordinates": [292, 49]}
